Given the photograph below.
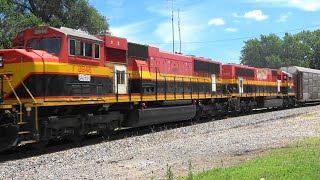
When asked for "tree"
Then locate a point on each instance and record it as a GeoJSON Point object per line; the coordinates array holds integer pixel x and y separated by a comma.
{"type": "Point", "coordinates": [85, 17]}
{"type": "Point", "coordinates": [263, 52]}
{"type": "Point", "coordinates": [16, 15]}
{"type": "Point", "coordinates": [313, 41]}
{"type": "Point", "coordinates": [12, 21]}
{"type": "Point", "coordinates": [302, 49]}
{"type": "Point", "coordinates": [296, 51]}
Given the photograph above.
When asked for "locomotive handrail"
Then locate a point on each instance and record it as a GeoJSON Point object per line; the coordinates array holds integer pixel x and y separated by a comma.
{"type": "Point", "coordinates": [191, 78]}
{"type": "Point", "coordinates": [35, 101]}
{"type": "Point", "coordinates": [175, 77]}
{"type": "Point", "coordinates": [2, 90]}
{"type": "Point", "coordinates": [28, 91]}
{"type": "Point", "coordinates": [17, 97]}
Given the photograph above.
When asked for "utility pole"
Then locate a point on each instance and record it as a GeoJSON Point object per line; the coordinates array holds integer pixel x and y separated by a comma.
{"type": "Point", "coordinates": [172, 26]}
{"type": "Point", "coordinates": [179, 29]}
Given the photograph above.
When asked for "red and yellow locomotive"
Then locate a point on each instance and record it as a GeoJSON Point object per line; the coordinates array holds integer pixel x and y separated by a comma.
{"type": "Point", "coordinates": [61, 83]}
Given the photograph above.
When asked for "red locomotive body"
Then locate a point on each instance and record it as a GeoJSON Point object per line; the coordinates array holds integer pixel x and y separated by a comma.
{"type": "Point", "coordinates": [62, 83]}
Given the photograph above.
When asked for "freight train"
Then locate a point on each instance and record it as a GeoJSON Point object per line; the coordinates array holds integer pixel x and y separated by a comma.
{"type": "Point", "coordinates": [63, 83]}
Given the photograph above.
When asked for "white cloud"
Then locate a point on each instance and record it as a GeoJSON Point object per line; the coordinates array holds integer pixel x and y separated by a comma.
{"type": "Point", "coordinates": [192, 30]}
{"type": "Point", "coordinates": [255, 15]}
{"type": "Point", "coordinates": [306, 5]}
{"type": "Point", "coordinates": [129, 31]}
{"type": "Point", "coordinates": [231, 29]}
{"type": "Point", "coordinates": [284, 18]}
{"type": "Point", "coordinates": [216, 22]}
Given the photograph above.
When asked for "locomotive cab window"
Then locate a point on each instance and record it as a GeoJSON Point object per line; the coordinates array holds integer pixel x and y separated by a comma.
{"type": "Point", "coordinates": [72, 47]}
{"type": "Point", "coordinates": [279, 77]}
{"type": "Point", "coordinates": [51, 45]}
{"type": "Point", "coordinates": [79, 48]}
{"type": "Point", "coordinates": [96, 51]}
{"type": "Point", "coordinates": [88, 49]}
{"type": "Point", "coordinates": [84, 49]}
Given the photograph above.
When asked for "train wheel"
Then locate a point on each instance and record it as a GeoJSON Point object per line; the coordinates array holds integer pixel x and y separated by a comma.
{"type": "Point", "coordinates": [107, 133]}
{"type": "Point", "coordinates": [77, 137]}
{"type": "Point", "coordinates": [196, 118]}
{"type": "Point", "coordinates": [8, 131]}
{"type": "Point", "coordinates": [41, 145]}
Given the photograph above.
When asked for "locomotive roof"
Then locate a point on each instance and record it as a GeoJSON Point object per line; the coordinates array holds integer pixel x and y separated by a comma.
{"type": "Point", "coordinates": [76, 33]}
{"type": "Point", "coordinates": [292, 69]}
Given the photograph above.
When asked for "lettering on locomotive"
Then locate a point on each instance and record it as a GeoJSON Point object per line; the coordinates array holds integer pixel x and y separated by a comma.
{"type": "Point", "coordinates": [84, 69]}
{"type": "Point", "coordinates": [40, 31]}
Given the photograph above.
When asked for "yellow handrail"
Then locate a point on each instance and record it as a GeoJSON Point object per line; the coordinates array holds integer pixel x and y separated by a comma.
{"type": "Point", "coordinates": [17, 97]}
{"type": "Point", "coordinates": [35, 101]}
{"type": "Point", "coordinates": [30, 94]}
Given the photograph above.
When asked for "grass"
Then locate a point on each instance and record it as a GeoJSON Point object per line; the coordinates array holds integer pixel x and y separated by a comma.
{"type": "Point", "coordinates": [300, 160]}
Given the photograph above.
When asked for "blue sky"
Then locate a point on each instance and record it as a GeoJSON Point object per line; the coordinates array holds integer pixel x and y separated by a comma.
{"type": "Point", "coordinates": [211, 29]}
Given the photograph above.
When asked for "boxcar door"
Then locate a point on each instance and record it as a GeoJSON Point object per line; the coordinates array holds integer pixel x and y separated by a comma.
{"type": "Point", "coordinates": [120, 79]}
{"type": "Point", "coordinates": [240, 86]}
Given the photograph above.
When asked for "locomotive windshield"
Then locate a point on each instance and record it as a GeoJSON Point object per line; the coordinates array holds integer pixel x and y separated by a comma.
{"type": "Point", "coordinates": [51, 45]}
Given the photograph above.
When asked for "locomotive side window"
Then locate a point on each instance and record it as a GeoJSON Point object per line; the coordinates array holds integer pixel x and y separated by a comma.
{"type": "Point", "coordinates": [85, 49]}
{"type": "Point", "coordinates": [79, 47]}
{"type": "Point", "coordinates": [96, 51]}
{"type": "Point", "coordinates": [81, 52]}
{"type": "Point", "coordinates": [205, 67]}
{"type": "Point", "coordinates": [72, 47]}
{"type": "Point", "coordinates": [279, 77]}
{"type": "Point", "coordinates": [240, 72]}
{"type": "Point", "coordinates": [88, 49]}
{"type": "Point", "coordinates": [249, 73]}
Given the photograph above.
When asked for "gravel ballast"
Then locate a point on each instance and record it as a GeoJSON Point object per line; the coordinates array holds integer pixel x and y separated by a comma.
{"type": "Point", "coordinates": [207, 145]}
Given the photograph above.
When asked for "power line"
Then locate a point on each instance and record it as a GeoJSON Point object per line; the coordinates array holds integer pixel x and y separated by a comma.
{"type": "Point", "coordinates": [172, 24]}
{"type": "Point", "coordinates": [240, 38]}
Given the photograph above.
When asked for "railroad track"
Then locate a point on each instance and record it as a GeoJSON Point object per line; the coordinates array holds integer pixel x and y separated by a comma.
{"type": "Point", "coordinates": [95, 138]}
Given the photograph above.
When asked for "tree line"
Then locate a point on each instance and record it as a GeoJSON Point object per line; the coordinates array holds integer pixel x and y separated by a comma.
{"type": "Point", "coordinates": [271, 51]}
{"type": "Point", "coordinates": [15, 15]}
